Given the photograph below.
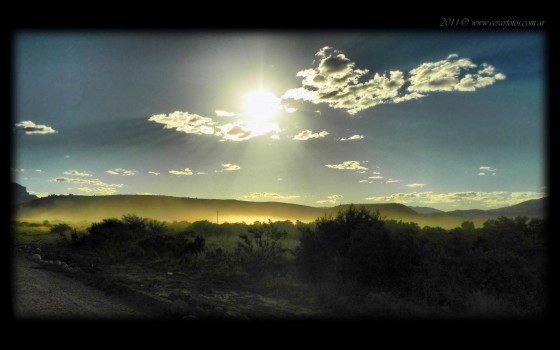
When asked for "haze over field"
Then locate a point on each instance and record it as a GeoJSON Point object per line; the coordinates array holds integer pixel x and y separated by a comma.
{"type": "Point", "coordinates": [444, 120]}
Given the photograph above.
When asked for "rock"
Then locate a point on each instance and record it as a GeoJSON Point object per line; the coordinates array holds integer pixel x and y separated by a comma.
{"type": "Point", "coordinates": [57, 262]}
{"type": "Point", "coordinates": [38, 250]}
{"type": "Point", "coordinates": [50, 262]}
{"type": "Point", "coordinates": [35, 257]}
{"type": "Point", "coordinates": [170, 274]}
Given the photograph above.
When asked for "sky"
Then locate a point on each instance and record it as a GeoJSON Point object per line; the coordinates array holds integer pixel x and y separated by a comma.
{"type": "Point", "coordinates": [442, 119]}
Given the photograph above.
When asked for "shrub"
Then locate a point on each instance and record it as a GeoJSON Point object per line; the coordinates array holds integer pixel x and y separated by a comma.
{"type": "Point", "coordinates": [261, 249]}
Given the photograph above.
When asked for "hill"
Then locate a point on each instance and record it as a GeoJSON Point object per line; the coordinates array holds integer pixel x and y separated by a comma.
{"type": "Point", "coordinates": [425, 210]}
{"type": "Point", "coordinates": [166, 208]}
{"type": "Point", "coordinates": [20, 194]}
{"type": "Point", "coordinates": [534, 208]}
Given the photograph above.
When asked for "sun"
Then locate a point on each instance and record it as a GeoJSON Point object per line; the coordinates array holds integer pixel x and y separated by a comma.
{"type": "Point", "coordinates": [261, 104]}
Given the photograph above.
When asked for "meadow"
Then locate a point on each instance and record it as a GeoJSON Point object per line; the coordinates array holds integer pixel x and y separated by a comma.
{"type": "Point", "coordinates": [353, 264]}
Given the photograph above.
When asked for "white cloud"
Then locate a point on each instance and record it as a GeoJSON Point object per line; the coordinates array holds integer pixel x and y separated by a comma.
{"type": "Point", "coordinates": [230, 167]}
{"type": "Point", "coordinates": [76, 173]}
{"type": "Point", "coordinates": [185, 171]}
{"type": "Point", "coordinates": [16, 170]}
{"type": "Point", "coordinates": [102, 191]}
{"type": "Point", "coordinates": [246, 129]}
{"type": "Point", "coordinates": [353, 137]}
{"type": "Point", "coordinates": [376, 173]}
{"type": "Point", "coordinates": [122, 172]}
{"type": "Point", "coordinates": [375, 177]}
{"type": "Point", "coordinates": [481, 174]}
{"type": "Point", "coordinates": [38, 194]}
{"type": "Point", "coordinates": [416, 185]}
{"type": "Point", "coordinates": [468, 198]}
{"type": "Point", "coordinates": [93, 186]}
{"type": "Point", "coordinates": [487, 168]}
{"type": "Point", "coordinates": [390, 181]}
{"type": "Point", "coordinates": [335, 81]}
{"type": "Point", "coordinates": [40, 171]}
{"type": "Point", "coordinates": [308, 134]}
{"type": "Point", "coordinates": [348, 165]}
{"type": "Point", "coordinates": [31, 128]}
{"type": "Point", "coordinates": [238, 130]}
{"type": "Point", "coordinates": [186, 122]}
{"type": "Point", "coordinates": [225, 114]}
{"type": "Point", "coordinates": [153, 173]}
{"type": "Point", "coordinates": [331, 199]}
{"type": "Point", "coordinates": [268, 196]}
{"type": "Point", "coordinates": [363, 181]}
{"type": "Point", "coordinates": [201, 173]}
{"type": "Point", "coordinates": [289, 109]}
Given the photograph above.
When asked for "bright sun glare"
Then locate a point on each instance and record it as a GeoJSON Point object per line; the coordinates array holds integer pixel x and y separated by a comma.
{"type": "Point", "coordinates": [261, 104]}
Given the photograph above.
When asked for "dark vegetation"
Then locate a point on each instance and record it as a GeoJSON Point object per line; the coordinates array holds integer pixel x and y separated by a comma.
{"type": "Point", "coordinates": [497, 269]}
{"type": "Point", "coordinates": [503, 262]}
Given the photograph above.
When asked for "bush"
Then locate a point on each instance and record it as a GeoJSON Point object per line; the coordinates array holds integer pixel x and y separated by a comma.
{"type": "Point", "coordinates": [503, 260]}
{"type": "Point", "coordinates": [262, 249]}
{"type": "Point", "coordinates": [136, 237]}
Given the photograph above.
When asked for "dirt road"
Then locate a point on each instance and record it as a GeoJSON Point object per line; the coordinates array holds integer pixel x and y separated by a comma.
{"type": "Point", "coordinates": [41, 294]}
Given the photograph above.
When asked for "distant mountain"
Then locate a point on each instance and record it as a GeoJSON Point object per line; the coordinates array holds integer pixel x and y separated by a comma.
{"type": "Point", "coordinates": [20, 194]}
{"type": "Point", "coordinates": [425, 210]}
{"type": "Point", "coordinates": [534, 208]}
{"type": "Point", "coordinates": [165, 208]}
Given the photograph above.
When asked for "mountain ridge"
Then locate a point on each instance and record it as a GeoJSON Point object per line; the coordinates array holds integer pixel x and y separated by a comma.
{"type": "Point", "coordinates": [74, 208]}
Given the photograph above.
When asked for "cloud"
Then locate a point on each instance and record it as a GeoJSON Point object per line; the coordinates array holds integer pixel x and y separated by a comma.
{"type": "Point", "coordinates": [16, 170]}
{"type": "Point", "coordinates": [39, 171]}
{"type": "Point", "coordinates": [481, 174]}
{"type": "Point", "coordinates": [363, 181]}
{"type": "Point", "coordinates": [390, 181]}
{"type": "Point", "coordinates": [353, 137]}
{"type": "Point", "coordinates": [76, 173]}
{"type": "Point", "coordinates": [308, 134]}
{"type": "Point", "coordinates": [225, 114]}
{"type": "Point", "coordinates": [186, 122]}
{"type": "Point", "coordinates": [122, 172]}
{"type": "Point", "coordinates": [484, 199]}
{"type": "Point", "coordinates": [487, 168]}
{"type": "Point", "coordinates": [230, 167]}
{"type": "Point", "coordinates": [185, 171]}
{"type": "Point", "coordinates": [38, 194]}
{"type": "Point", "coordinates": [94, 186]}
{"type": "Point", "coordinates": [375, 177]}
{"type": "Point", "coordinates": [102, 191]}
{"type": "Point", "coordinates": [348, 165]}
{"type": "Point", "coordinates": [153, 173]}
{"type": "Point", "coordinates": [31, 128]}
{"type": "Point", "coordinates": [243, 130]}
{"type": "Point", "coordinates": [447, 75]}
{"type": "Point", "coordinates": [240, 130]}
{"type": "Point", "coordinates": [201, 173]}
{"type": "Point", "coordinates": [268, 196]}
{"type": "Point", "coordinates": [416, 185]}
{"type": "Point", "coordinates": [289, 109]}
{"type": "Point", "coordinates": [331, 199]}
{"type": "Point", "coordinates": [335, 80]}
